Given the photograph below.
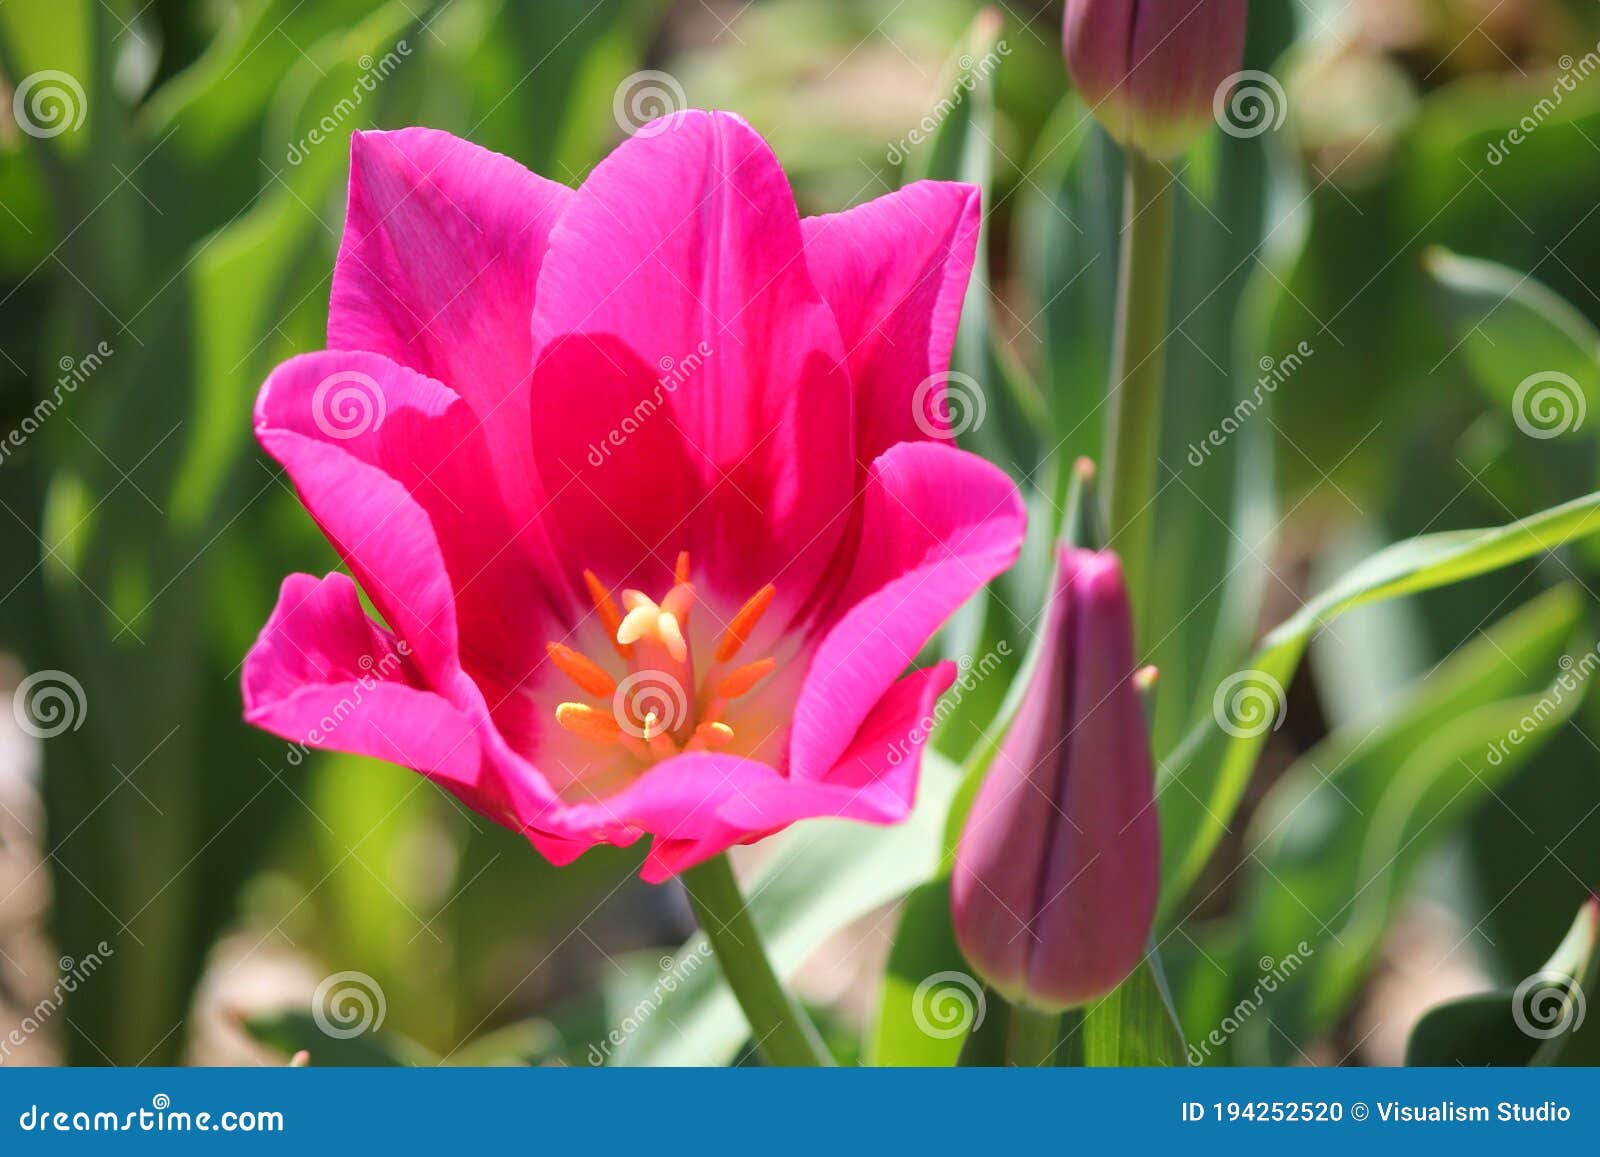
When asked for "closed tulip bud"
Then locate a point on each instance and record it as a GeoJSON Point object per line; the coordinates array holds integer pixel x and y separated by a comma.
{"type": "Point", "coordinates": [1151, 69]}
{"type": "Point", "coordinates": [1057, 872]}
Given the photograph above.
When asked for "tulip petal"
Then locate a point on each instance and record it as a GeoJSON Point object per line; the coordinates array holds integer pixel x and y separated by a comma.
{"type": "Point", "coordinates": [390, 464]}
{"type": "Point", "coordinates": [443, 242]}
{"type": "Point", "coordinates": [937, 524]}
{"type": "Point", "coordinates": [684, 247]}
{"type": "Point", "coordinates": [895, 272]}
{"type": "Point", "coordinates": [324, 675]}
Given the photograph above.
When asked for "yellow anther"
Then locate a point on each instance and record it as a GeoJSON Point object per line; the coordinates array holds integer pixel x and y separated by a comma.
{"type": "Point", "coordinates": [741, 681]}
{"type": "Point", "coordinates": [588, 722]}
{"type": "Point", "coordinates": [710, 737]}
{"type": "Point", "coordinates": [744, 622]}
{"type": "Point", "coordinates": [582, 670]}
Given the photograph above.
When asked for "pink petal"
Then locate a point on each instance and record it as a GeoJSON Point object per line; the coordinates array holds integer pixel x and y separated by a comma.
{"type": "Point", "coordinates": [937, 524]}
{"type": "Point", "coordinates": [390, 465]}
{"type": "Point", "coordinates": [324, 675]}
{"type": "Point", "coordinates": [681, 258]}
{"type": "Point", "coordinates": [895, 271]}
{"type": "Point", "coordinates": [442, 248]}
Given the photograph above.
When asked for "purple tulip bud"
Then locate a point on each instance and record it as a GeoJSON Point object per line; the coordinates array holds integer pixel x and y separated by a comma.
{"type": "Point", "coordinates": [1057, 872]}
{"type": "Point", "coordinates": [1152, 69]}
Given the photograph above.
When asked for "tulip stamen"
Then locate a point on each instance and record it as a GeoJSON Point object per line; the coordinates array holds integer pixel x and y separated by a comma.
{"type": "Point", "coordinates": [653, 637]}
{"type": "Point", "coordinates": [745, 622]}
{"type": "Point", "coordinates": [582, 670]}
{"type": "Point", "coordinates": [588, 722]}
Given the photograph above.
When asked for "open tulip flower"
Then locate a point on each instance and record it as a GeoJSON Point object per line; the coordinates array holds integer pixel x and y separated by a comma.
{"type": "Point", "coordinates": [646, 483]}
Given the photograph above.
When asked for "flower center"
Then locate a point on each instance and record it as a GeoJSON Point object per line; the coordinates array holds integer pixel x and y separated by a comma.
{"type": "Point", "coordinates": [659, 708]}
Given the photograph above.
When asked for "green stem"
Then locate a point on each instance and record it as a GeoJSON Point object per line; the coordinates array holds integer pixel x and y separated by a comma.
{"type": "Point", "coordinates": [784, 1035]}
{"type": "Point", "coordinates": [1134, 440]}
{"type": "Point", "coordinates": [1032, 1037]}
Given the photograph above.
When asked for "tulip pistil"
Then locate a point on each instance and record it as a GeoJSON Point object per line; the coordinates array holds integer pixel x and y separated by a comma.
{"type": "Point", "coordinates": [659, 709]}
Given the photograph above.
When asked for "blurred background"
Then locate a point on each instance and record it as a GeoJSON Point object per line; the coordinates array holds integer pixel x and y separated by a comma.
{"type": "Point", "coordinates": [177, 888]}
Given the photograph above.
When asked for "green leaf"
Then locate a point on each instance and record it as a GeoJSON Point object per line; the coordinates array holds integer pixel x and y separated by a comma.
{"type": "Point", "coordinates": [821, 876]}
{"type": "Point", "coordinates": [1540, 1022]}
{"type": "Point", "coordinates": [1201, 784]}
{"type": "Point", "coordinates": [930, 999]}
{"type": "Point", "coordinates": [1341, 834]}
{"type": "Point", "coordinates": [1512, 331]}
{"type": "Point", "coordinates": [291, 1031]}
{"type": "Point", "coordinates": [1136, 1024]}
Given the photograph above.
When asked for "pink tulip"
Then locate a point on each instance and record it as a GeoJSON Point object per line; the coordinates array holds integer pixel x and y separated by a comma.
{"type": "Point", "coordinates": [647, 483]}
{"type": "Point", "coordinates": [1057, 872]}
{"type": "Point", "coordinates": [1151, 69]}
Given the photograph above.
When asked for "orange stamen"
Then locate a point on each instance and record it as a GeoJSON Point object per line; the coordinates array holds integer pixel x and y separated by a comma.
{"type": "Point", "coordinates": [582, 670]}
{"type": "Point", "coordinates": [710, 737]}
{"type": "Point", "coordinates": [744, 622]}
{"type": "Point", "coordinates": [588, 722]}
{"type": "Point", "coordinates": [741, 681]}
{"type": "Point", "coordinates": [680, 573]}
{"type": "Point", "coordinates": [610, 617]}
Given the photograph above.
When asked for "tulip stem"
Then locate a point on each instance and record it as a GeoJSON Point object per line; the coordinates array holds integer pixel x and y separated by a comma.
{"type": "Point", "coordinates": [1134, 440]}
{"type": "Point", "coordinates": [784, 1034]}
{"type": "Point", "coordinates": [1032, 1037]}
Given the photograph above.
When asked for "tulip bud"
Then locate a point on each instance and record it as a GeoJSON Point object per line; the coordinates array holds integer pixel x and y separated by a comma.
{"type": "Point", "coordinates": [1151, 69]}
{"type": "Point", "coordinates": [1057, 872]}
